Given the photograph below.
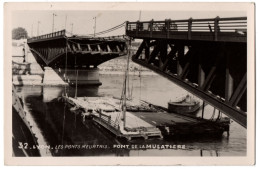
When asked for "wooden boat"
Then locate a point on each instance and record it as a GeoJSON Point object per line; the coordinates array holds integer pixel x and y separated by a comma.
{"type": "Point", "coordinates": [185, 105]}
{"type": "Point", "coordinates": [113, 115]}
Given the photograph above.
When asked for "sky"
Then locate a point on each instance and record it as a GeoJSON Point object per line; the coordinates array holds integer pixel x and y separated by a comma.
{"type": "Point", "coordinates": [83, 22]}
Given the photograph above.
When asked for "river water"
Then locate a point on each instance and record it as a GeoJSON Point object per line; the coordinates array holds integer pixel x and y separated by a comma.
{"type": "Point", "coordinates": [58, 129]}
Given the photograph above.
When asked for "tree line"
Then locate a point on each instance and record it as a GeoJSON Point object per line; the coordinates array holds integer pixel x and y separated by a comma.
{"type": "Point", "coordinates": [19, 33]}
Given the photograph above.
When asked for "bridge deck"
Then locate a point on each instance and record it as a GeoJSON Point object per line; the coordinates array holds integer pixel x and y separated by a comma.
{"type": "Point", "coordinates": [59, 48]}
{"type": "Point", "coordinates": [216, 29]}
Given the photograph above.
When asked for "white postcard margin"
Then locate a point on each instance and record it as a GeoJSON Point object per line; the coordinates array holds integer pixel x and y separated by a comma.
{"type": "Point", "coordinates": [249, 159]}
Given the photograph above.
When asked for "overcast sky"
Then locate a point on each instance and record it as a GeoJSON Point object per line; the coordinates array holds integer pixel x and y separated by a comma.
{"type": "Point", "coordinates": [83, 21]}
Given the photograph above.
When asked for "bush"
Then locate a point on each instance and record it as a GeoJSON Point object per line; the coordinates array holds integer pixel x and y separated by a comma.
{"type": "Point", "coordinates": [19, 33]}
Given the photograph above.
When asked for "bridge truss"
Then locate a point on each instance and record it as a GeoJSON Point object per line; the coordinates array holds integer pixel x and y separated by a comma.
{"type": "Point", "coordinates": [207, 57]}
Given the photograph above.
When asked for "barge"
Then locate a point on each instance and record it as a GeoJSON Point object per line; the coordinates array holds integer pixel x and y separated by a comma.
{"type": "Point", "coordinates": [151, 121]}
{"type": "Point", "coordinates": [106, 112]}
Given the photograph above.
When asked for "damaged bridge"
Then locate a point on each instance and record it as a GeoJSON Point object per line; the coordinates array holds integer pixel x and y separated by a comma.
{"type": "Point", "coordinates": [64, 54]}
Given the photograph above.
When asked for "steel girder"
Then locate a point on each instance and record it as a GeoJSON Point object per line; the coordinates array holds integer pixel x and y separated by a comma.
{"type": "Point", "coordinates": [53, 51]}
{"type": "Point", "coordinates": [215, 72]}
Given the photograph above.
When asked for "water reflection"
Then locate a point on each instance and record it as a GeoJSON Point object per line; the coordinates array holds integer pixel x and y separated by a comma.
{"type": "Point", "coordinates": [60, 127]}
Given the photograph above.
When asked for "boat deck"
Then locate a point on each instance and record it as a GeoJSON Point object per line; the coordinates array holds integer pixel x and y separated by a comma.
{"type": "Point", "coordinates": [164, 118]}
{"type": "Point", "coordinates": [106, 112]}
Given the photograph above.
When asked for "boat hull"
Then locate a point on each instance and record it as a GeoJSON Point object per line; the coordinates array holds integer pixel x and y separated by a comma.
{"type": "Point", "coordinates": [178, 108]}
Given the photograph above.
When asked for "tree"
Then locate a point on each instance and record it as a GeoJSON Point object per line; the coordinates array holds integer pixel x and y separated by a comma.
{"type": "Point", "coordinates": [19, 33]}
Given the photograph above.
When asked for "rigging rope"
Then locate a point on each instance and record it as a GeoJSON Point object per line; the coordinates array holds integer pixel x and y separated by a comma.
{"type": "Point", "coordinates": [106, 31]}
{"type": "Point", "coordinates": [65, 75]}
{"type": "Point", "coordinates": [126, 81]}
{"type": "Point", "coordinates": [129, 53]}
{"type": "Point", "coordinates": [63, 124]}
{"type": "Point", "coordinates": [76, 74]}
{"type": "Point", "coordinates": [111, 29]}
{"type": "Point", "coordinates": [219, 116]}
{"type": "Point", "coordinates": [140, 78]}
{"type": "Point", "coordinates": [131, 94]}
{"type": "Point", "coordinates": [213, 115]}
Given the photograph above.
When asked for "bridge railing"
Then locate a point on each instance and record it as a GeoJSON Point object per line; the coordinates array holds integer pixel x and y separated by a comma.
{"type": "Point", "coordinates": [212, 26]}
{"type": "Point", "coordinates": [48, 36]}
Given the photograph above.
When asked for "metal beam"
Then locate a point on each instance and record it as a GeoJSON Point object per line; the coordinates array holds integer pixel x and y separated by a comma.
{"type": "Point", "coordinates": [140, 49]}
{"type": "Point", "coordinates": [180, 56]}
{"type": "Point", "coordinates": [236, 114]}
{"type": "Point", "coordinates": [238, 92]}
{"type": "Point", "coordinates": [147, 48]}
{"type": "Point", "coordinates": [201, 73]}
{"type": "Point", "coordinates": [229, 83]}
{"type": "Point", "coordinates": [169, 56]}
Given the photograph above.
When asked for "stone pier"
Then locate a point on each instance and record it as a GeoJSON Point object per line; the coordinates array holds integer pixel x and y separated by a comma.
{"type": "Point", "coordinates": [52, 78]}
{"type": "Point", "coordinates": [87, 76]}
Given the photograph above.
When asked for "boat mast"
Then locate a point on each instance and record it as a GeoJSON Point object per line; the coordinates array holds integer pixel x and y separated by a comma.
{"type": "Point", "coordinates": [76, 92]}
{"type": "Point", "coordinates": [124, 104]}
{"type": "Point", "coordinates": [125, 83]}
{"type": "Point", "coordinates": [77, 73]}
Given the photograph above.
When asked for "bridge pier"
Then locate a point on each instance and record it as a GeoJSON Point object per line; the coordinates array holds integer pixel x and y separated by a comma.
{"type": "Point", "coordinates": [83, 76]}
{"type": "Point", "coordinates": [52, 78]}
{"type": "Point", "coordinates": [88, 76]}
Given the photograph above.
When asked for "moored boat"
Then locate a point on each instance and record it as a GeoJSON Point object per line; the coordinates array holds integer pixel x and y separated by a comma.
{"type": "Point", "coordinates": [185, 105]}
